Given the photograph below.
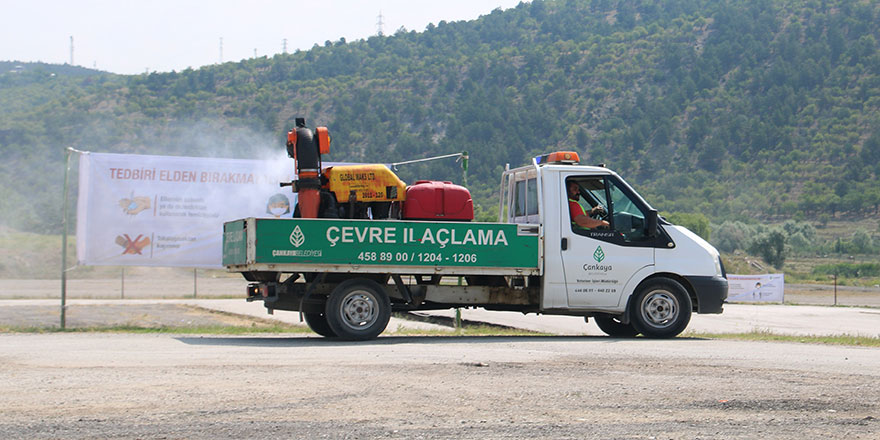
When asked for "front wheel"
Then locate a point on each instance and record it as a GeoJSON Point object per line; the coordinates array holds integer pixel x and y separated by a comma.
{"type": "Point", "coordinates": [612, 326]}
{"type": "Point", "coordinates": [661, 308]}
{"type": "Point", "coordinates": [358, 309]}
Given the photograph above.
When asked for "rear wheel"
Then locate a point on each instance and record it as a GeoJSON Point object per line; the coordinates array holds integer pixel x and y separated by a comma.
{"type": "Point", "coordinates": [661, 308]}
{"type": "Point", "coordinates": [358, 309]}
{"type": "Point", "coordinates": [318, 323]}
{"type": "Point", "coordinates": [612, 326]}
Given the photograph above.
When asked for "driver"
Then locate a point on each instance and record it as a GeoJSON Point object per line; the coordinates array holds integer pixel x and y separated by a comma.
{"type": "Point", "coordinates": [579, 216]}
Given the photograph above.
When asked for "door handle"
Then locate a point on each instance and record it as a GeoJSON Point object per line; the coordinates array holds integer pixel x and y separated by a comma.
{"type": "Point", "coordinates": [564, 244]}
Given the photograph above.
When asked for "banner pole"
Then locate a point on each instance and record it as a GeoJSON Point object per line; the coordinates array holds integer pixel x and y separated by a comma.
{"type": "Point", "coordinates": [64, 241]}
{"type": "Point", "coordinates": [835, 289]}
{"type": "Point", "coordinates": [464, 167]}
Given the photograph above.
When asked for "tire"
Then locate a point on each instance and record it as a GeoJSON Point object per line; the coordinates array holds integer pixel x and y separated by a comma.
{"type": "Point", "coordinates": [661, 308]}
{"type": "Point", "coordinates": [358, 309]}
{"type": "Point", "coordinates": [318, 323]}
{"type": "Point", "coordinates": [612, 326]}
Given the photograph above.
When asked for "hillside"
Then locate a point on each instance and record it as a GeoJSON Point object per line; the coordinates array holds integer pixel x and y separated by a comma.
{"type": "Point", "coordinates": [37, 70]}
{"type": "Point", "coordinates": [746, 110]}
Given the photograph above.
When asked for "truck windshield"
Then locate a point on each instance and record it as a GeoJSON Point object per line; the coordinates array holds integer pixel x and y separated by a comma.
{"type": "Point", "coordinates": [622, 203]}
{"type": "Point", "coordinates": [628, 216]}
{"type": "Point", "coordinates": [624, 186]}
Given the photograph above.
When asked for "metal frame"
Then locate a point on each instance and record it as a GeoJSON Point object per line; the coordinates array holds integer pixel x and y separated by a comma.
{"type": "Point", "coordinates": [385, 269]}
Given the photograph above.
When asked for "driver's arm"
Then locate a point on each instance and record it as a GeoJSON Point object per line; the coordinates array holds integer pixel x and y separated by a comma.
{"type": "Point", "coordinates": [588, 222]}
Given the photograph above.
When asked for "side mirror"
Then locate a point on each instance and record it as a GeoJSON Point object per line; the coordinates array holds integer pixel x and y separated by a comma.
{"type": "Point", "coordinates": [651, 223]}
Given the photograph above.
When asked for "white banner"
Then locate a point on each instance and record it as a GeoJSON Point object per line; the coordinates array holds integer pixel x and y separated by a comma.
{"type": "Point", "coordinates": [140, 210]}
{"type": "Point", "coordinates": [756, 288]}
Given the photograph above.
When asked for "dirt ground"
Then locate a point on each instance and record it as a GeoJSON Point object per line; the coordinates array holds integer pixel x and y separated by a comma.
{"type": "Point", "coordinates": [93, 385]}
{"type": "Point", "coordinates": [160, 386]}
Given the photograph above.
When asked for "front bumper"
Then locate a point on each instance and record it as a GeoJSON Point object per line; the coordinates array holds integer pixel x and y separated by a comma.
{"type": "Point", "coordinates": [711, 293]}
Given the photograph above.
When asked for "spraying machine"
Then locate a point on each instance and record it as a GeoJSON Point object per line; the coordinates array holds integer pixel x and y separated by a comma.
{"type": "Point", "coordinates": [367, 191]}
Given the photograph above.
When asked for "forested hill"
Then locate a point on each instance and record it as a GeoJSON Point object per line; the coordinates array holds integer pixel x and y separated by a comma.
{"type": "Point", "coordinates": [36, 71]}
{"type": "Point", "coordinates": [731, 109]}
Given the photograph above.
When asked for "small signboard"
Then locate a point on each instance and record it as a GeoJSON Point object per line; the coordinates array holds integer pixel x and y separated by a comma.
{"type": "Point", "coordinates": [756, 288]}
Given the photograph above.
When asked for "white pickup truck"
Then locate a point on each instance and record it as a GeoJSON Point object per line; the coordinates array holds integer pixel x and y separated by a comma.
{"type": "Point", "coordinates": [637, 275]}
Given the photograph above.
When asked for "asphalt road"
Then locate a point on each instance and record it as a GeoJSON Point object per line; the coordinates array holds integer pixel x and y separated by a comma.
{"type": "Point", "coordinates": [737, 318]}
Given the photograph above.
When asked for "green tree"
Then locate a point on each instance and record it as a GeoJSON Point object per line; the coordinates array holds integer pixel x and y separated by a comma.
{"type": "Point", "coordinates": [862, 242]}
{"type": "Point", "coordinates": [771, 247]}
{"type": "Point", "coordinates": [697, 223]}
{"type": "Point", "coordinates": [732, 235]}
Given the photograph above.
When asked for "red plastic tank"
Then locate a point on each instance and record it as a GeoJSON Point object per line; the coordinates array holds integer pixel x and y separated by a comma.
{"type": "Point", "coordinates": [434, 200]}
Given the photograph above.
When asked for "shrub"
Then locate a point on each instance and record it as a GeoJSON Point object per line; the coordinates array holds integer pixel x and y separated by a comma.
{"type": "Point", "coordinates": [849, 270]}
{"type": "Point", "coordinates": [771, 246]}
{"type": "Point", "coordinates": [697, 223]}
{"type": "Point", "coordinates": [862, 242]}
{"type": "Point", "coordinates": [732, 235]}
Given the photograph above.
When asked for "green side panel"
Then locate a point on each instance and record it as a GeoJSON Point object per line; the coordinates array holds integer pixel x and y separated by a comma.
{"type": "Point", "coordinates": [234, 243]}
{"type": "Point", "coordinates": [401, 243]}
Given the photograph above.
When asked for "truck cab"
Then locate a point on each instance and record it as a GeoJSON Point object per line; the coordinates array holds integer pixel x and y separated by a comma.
{"type": "Point", "coordinates": [636, 274]}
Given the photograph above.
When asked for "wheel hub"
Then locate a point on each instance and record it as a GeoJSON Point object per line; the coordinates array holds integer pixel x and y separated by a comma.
{"type": "Point", "coordinates": [660, 308]}
{"type": "Point", "coordinates": [359, 309]}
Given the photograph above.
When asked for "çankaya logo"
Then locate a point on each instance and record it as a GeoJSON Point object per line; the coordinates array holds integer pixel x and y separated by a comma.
{"type": "Point", "coordinates": [297, 238]}
{"type": "Point", "coordinates": [599, 256]}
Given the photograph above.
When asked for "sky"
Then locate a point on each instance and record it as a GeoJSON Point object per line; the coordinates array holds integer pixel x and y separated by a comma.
{"type": "Point", "coordinates": [132, 37]}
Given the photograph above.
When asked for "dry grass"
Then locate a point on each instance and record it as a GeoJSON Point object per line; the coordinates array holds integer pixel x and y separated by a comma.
{"type": "Point", "coordinates": [766, 335]}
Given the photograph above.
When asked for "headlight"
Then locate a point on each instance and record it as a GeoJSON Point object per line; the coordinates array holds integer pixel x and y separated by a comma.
{"type": "Point", "coordinates": [718, 271]}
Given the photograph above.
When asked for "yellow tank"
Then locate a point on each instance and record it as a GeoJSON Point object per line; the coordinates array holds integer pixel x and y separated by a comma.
{"type": "Point", "coordinates": [371, 183]}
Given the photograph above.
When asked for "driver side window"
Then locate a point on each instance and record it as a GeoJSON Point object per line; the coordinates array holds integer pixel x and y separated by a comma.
{"type": "Point", "coordinates": [584, 193]}
{"type": "Point", "coordinates": [612, 204]}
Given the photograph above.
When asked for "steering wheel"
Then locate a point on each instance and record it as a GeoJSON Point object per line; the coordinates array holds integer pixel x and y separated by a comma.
{"type": "Point", "coordinates": [600, 214]}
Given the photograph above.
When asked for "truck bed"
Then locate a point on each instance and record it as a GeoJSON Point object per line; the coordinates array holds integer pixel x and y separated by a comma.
{"type": "Point", "coordinates": [381, 246]}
